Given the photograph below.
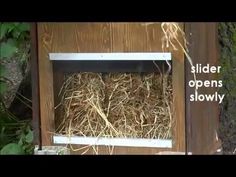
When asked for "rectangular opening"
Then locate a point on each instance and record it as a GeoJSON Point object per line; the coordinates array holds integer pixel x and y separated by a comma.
{"type": "Point", "coordinates": [113, 101]}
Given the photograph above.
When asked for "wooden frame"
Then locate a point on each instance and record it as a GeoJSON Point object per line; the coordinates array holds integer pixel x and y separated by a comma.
{"type": "Point", "coordinates": [65, 37]}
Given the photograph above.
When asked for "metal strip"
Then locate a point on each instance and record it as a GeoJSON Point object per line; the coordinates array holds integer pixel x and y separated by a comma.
{"type": "Point", "coordinates": [110, 56]}
{"type": "Point", "coordinates": [129, 142]}
{"type": "Point", "coordinates": [51, 150]}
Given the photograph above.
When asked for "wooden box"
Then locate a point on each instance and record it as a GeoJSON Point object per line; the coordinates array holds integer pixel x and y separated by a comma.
{"type": "Point", "coordinates": [195, 124]}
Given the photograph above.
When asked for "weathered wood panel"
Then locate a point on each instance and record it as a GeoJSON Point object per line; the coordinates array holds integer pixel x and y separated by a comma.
{"type": "Point", "coordinates": [178, 104]}
{"type": "Point", "coordinates": [202, 117]}
{"type": "Point", "coordinates": [45, 41]}
{"type": "Point", "coordinates": [178, 82]}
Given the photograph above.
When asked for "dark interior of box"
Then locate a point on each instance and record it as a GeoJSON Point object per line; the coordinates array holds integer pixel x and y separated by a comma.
{"type": "Point", "coordinates": [109, 66]}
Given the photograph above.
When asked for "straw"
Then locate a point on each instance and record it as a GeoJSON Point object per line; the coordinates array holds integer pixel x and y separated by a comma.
{"type": "Point", "coordinates": [124, 105]}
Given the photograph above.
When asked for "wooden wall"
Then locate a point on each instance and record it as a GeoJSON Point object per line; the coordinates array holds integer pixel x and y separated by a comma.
{"type": "Point", "coordinates": [103, 37]}
{"type": "Point", "coordinates": [202, 117]}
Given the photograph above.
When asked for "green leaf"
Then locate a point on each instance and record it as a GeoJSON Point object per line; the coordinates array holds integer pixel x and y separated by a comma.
{"type": "Point", "coordinates": [16, 33]}
{"type": "Point", "coordinates": [23, 27]}
{"type": "Point", "coordinates": [6, 28]}
{"type": "Point", "coordinates": [3, 30]}
{"type": "Point", "coordinates": [29, 137]}
{"type": "Point", "coordinates": [11, 26]}
{"type": "Point", "coordinates": [3, 88]}
{"type": "Point", "coordinates": [12, 148]}
{"type": "Point", "coordinates": [12, 42]}
{"type": "Point", "coordinates": [7, 49]}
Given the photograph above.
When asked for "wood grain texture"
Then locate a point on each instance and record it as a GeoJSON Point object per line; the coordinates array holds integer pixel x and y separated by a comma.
{"type": "Point", "coordinates": [35, 85]}
{"type": "Point", "coordinates": [128, 37]}
{"type": "Point", "coordinates": [104, 37]}
{"type": "Point", "coordinates": [136, 37]}
{"type": "Point", "coordinates": [202, 117]}
{"type": "Point", "coordinates": [80, 37]}
{"type": "Point", "coordinates": [178, 82]}
{"type": "Point", "coordinates": [45, 40]}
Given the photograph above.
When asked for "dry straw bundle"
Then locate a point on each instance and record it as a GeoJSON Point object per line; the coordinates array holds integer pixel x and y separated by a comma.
{"type": "Point", "coordinates": [116, 105]}
{"type": "Point", "coordinates": [125, 105]}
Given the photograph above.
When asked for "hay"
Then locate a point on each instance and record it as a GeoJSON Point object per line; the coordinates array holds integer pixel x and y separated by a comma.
{"type": "Point", "coordinates": [127, 105]}
{"type": "Point", "coordinates": [171, 41]}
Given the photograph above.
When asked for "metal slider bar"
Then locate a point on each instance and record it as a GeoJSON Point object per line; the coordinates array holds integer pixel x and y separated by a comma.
{"type": "Point", "coordinates": [129, 142]}
{"type": "Point", "coordinates": [111, 56]}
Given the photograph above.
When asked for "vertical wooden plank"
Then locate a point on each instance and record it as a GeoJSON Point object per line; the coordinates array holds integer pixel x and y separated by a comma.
{"type": "Point", "coordinates": [35, 85]}
{"type": "Point", "coordinates": [178, 80]}
{"type": "Point", "coordinates": [45, 34]}
{"type": "Point", "coordinates": [202, 117]}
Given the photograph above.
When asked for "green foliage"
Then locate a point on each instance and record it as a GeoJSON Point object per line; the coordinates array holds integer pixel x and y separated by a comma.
{"type": "Point", "coordinates": [24, 144]}
{"type": "Point", "coordinates": [8, 49]}
{"type": "Point", "coordinates": [11, 36]}
{"type": "Point", "coordinates": [3, 88]}
{"type": "Point", "coordinates": [16, 137]}
{"type": "Point", "coordinates": [3, 71]}
{"type": "Point", "coordinates": [228, 58]}
{"type": "Point", "coordinates": [227, 39]}
{"type": "Point", "coordinates": [15, 30]}
{"type": "Point", "coordinates": [12, 148]}
{"type": "Point", "coordinates": [14, 41]}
